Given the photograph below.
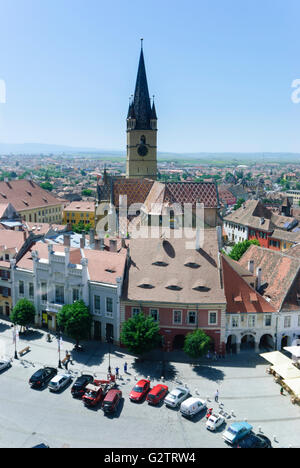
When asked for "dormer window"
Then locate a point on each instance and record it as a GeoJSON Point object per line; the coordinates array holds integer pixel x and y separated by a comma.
{"type": "Point", "coordinates": [160, 263]}
{"type": "Point", "coordinates": [174, 287]}
{"type": "Point", "coordinates": [146, 286]}
{"type": "Point", "coordinates": [192, 265]}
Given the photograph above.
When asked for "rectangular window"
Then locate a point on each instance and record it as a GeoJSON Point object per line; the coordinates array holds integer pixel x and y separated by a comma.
{"type": "Point", "coordinates": [177, 317]}
{"type": "Point", "coordinates": [154, 314]}
{"type": "Point", "coordinates": [212, 318]}
{"type": "Point", "coordinates": [251, 320]}
{"type": "Point", "coordinates": [287, 321]}
{"type": "Point", "coordinates": [97, 304]}
{"type": "Point", "coordinates": [268, 320]}
{"type": "Point", "coordinates": [192, 317]}
{"type": "Point", "coordinates": [75, 295]}
{"type": "Point", "coordinates": [235, 321]}
{"type": "Point", "coordinates": [135, 311]}
{"type": "Point", "coordinates": [44, 292]}
{"type": "Point", "coordinates": [31, 290]}
{"type": "Point", "coordinates": [59, 294]}
{"type": "Point", "coordinates": [109, 306]}
{"type": "Point", "coordinates": [21, 287]}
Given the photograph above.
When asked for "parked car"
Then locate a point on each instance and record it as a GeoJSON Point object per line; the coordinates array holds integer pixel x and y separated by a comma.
{"type": "Point", "coordinates": [192, 406]}
{"type": "Point", "coordinates": [42, 377]}
{"type": "Point", "coordinates": [4, 364]}
{"type": "Point", "coordinates": [254, 441]}
{"type": "Point", "coordinates": [214, 421]}
{"type": "Point", "coordinates": [156, 394]}
{"type": "Point", "coordinates": [111, 400]}
{"type": "Point", "coordinates": [96, 391]}
{"type": "Point", "coordinates": [236, 431]}
{"type": "Point", "coordinates": [139, 390]}
{"type": "Point", "coordinates": [177, 396]}
{"type": "Point", "coordinates": [79, 386]}
{"type": "Point", "coordinates": [59, 381]}
{"type": "Point", "coordinates": [93, 395]}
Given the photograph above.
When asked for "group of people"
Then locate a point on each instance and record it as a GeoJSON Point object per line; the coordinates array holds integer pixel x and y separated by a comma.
{"type": "Point", "coordinates": [117, 370]}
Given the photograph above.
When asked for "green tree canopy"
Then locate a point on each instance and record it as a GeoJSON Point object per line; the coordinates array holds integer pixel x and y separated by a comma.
{"type": "Point", "coordinates": [140, 334]}
{"type": "Point", "coordinates": [239, 203]}
{"type": "Point", "coordinates": [75, 320]}
{"type": "Point", "coordinates": [46, 186]}
{"type": "Point", "coordinates": [196, 343]}
{"type": "Point", "coordinates": [23, 313]}
{"type": "Point", "coordinates": [240, 248]}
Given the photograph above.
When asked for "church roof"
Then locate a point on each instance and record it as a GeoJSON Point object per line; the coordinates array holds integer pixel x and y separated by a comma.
{"type": "Point", "coordinates": [141, 101]}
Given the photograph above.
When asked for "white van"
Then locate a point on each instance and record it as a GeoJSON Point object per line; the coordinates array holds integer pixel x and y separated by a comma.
{"type": "Point", "coordinates": [192, 406]}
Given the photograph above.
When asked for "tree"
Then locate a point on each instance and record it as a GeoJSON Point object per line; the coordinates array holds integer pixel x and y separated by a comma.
{"type": "Point", "coordinates": [240, 248]}
{"type": "Point", "coordinates": [75, 320]}
{"type": "Point", "coordinates": [196, 343]}
{"type": "Point", "coordinates": [87, 192]}
{"type": "Point", "coordinates": [23, 313]}
{"type": "Point", "coordinates": [239, 203]}
{"type": "Point", "coordinates": [46, 186]}
{"type": "Point", "coordinates": [140, 334]}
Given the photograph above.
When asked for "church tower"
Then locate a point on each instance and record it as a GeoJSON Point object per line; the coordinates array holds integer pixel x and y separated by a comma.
{"type": "Point", "coordinates": [141, 160]}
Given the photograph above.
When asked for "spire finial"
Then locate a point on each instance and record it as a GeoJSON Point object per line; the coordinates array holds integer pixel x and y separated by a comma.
{"type": "Point", "coordinates": [142, 43]}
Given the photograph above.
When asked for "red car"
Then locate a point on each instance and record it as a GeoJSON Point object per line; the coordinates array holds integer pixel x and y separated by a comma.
{"type": "Point", "coordinates": [93, 395]}
{"type": "Point", "coordinates": [139, 390]}
{"type": "Point", "coordinates": [156, 394]}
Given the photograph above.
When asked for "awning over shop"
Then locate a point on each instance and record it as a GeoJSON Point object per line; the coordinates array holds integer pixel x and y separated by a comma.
{"type": "Point", "coordinates": [295, 350]}
{"type": "Point", "coordinates": [287, 372]}
{"type": "Point", "coordinates": [294, 385]}
{"type": "Point", "coordinates": [276, 358]}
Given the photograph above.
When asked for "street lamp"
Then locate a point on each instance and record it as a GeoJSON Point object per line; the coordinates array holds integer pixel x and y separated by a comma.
{"type": "Point", "coordinates": [15, 341]}
{"type": "Point", "coordinates": [58, 336]}
{"type": "Point", "coordinates": [109, 340]}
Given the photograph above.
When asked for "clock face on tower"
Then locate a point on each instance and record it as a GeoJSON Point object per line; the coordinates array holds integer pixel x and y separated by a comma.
{"type": "Point", "coordinates": [142, 150]}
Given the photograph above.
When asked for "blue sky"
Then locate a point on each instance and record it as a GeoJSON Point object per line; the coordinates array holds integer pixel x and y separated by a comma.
{"type": "Point", "coordinates": [221, 72]}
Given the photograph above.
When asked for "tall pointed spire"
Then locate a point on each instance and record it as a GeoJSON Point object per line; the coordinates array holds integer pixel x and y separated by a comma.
{"type": "Point", "coordinates": [141, 100]}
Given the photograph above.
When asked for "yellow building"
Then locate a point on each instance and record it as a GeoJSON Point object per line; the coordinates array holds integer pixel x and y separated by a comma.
{"type": "Point", "coordinates": [79, 211]}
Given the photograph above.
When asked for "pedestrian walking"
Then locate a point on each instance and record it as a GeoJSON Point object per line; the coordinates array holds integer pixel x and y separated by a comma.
{"type": "Point", "coordinates": [281, 391]}
{"type": "Point", "coordinates": [125, 368]}
{"type": "Point", "coordinates": [109, 370]}
{"type": "Point", "coordinates": [217, 396]}
{"type": "Point", "coordinates": [117, 372]}
{"type": "Point", "coordinates": [215, 356]}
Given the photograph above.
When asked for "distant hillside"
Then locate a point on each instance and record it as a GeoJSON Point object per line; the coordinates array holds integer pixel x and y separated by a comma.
{"type": "Point", "coordinates": [47, 149]}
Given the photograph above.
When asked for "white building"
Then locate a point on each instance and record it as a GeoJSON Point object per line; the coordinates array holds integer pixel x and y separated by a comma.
{"type": "Point", "coordinates": [53, 275]}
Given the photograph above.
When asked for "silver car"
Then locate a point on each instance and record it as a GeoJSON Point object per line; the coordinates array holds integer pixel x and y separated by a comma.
{"type": "Point", "coordinates": [59, 381]}
{"type": "Point", "coordinates": [177, 396]}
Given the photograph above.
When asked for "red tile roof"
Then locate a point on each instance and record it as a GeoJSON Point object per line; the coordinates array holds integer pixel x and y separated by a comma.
{"type": "Point", "coordinates": [240, 296]}
{"type": "Point", "coordinates": [25, 195]}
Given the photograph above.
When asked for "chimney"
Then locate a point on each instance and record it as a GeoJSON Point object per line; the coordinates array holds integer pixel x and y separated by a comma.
{"type": "Point", "coordinates": [82, 241]}
{"type": "Point", "coordinates": [219, 237]}
{"type": "Point", "coordinates": [112, 245]}
{"type": "Point", "coordinates": [258, 278]}
{"type": "Point", "coordinates": [67, 240]}
{"type": "Point", "coordinates": [92, 236]}
{"type": "Point", "coordinates": [251, 266]}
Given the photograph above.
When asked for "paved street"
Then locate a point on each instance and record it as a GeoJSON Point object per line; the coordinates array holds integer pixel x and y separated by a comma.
{"type": "Point", "coordinates": [32, 416]}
